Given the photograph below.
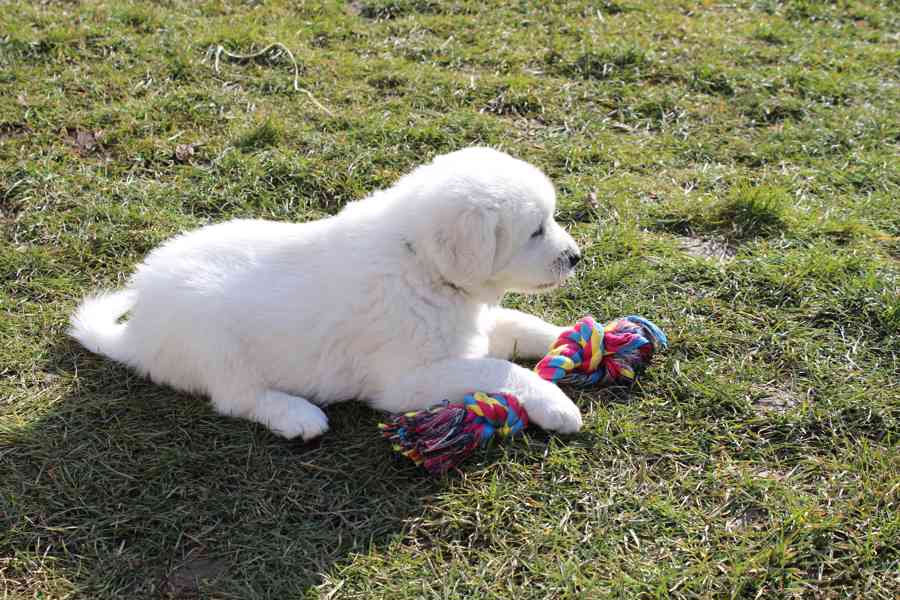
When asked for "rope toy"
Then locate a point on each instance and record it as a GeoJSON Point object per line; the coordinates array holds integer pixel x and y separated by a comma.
{"type": "Point", "coordinates": [442, 437]}
{"type": "Point", "coordinates": [589, 354]}
{"type": "Point", "coordinates": [586, 354]}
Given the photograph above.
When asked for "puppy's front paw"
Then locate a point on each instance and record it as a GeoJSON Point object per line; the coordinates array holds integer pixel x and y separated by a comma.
{"type": "Point", "coordinates": [301, 419]}
{"type": "Point", "coordinates": [554, 411]}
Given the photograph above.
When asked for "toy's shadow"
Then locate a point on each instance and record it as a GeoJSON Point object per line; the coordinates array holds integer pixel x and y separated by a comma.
{"type": "Point", "coordinates": [127, 489]}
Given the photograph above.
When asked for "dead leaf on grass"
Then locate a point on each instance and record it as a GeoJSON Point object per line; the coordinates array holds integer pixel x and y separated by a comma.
{"type": "Point", "coordinates": [184, 152]}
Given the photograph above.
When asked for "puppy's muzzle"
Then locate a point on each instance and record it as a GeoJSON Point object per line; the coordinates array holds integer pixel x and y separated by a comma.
{"type": "Point", "coordinates": [572, 257]}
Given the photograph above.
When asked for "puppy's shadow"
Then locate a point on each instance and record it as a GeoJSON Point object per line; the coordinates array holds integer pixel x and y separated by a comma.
{"type": "Point", "coordinates": [122, 488]}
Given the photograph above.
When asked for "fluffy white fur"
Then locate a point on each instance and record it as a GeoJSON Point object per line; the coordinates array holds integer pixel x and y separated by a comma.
{"type": "Point", "coordinates": [394, 301]}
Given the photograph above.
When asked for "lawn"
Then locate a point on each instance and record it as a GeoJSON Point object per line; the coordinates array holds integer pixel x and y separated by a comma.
{"type": "Point", "coordinates": [730, 170]}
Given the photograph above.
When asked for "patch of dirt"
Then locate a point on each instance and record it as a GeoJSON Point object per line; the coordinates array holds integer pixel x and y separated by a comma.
{"type": "Point", "coordinates": [83, 141]}
{"type": "Point", "coordinates": [774, 474]}
{"type": "Point", "coordinates": [386, 10]}
{"type": "Point", "coordinates": [708, 249]}
{"type": "Point", "coordinates": [751, 518]}
{"type": "Point", "coordinates": [185, 579]}
{"type": "Point", "coordinates": [87, 143]}
{"type": "Point", "coordinates": [773, 399]}
{"type": "Point", "coordinates": [9, 130]}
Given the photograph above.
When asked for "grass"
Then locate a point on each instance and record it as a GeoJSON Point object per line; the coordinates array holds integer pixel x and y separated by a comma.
{"type": "Point", "coordinates": [730, 170]}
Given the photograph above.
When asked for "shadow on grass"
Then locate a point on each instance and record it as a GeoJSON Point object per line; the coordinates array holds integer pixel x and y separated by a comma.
{"type": "Point", "coordinates": [127, 489]}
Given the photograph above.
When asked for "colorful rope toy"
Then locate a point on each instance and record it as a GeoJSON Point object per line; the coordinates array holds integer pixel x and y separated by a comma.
{"type": "Point", "coordinates": [586, 354]}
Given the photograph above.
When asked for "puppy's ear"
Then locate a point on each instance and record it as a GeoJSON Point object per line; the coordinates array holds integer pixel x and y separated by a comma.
{"type": "Point", "coordinates": [464, 246]}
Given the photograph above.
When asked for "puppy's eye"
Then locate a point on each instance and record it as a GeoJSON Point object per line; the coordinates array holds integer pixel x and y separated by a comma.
{"type": "Point", "coordinates": [539, 232]}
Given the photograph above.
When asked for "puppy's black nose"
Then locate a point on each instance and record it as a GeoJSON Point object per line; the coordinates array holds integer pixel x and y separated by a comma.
{"type": "Point", "coordinates": [574, 257]}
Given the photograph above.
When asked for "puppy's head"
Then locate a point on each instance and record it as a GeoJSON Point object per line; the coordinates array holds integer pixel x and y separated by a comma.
{"type": "Point", "coordinates": [486, 222]}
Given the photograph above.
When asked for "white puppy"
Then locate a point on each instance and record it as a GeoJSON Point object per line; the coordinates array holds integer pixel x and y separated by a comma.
{"type": "Point", "coordinates": [394, 301]}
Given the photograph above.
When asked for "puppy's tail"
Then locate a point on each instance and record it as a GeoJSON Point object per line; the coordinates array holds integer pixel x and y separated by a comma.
{"type": "Point", "coordinates": [95, 323]}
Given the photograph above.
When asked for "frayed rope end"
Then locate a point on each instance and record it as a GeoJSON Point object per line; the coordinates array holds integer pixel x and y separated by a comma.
{"type": "Point", "coordinates": [440, 438]}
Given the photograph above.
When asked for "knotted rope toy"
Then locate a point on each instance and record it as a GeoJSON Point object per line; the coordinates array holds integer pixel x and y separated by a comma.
{"type": "Point", "coordinates": [586, 354]}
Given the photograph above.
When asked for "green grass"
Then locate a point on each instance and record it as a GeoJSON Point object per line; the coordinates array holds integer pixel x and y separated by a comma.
{"type": "Point", "coordinates": [744, 158]}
